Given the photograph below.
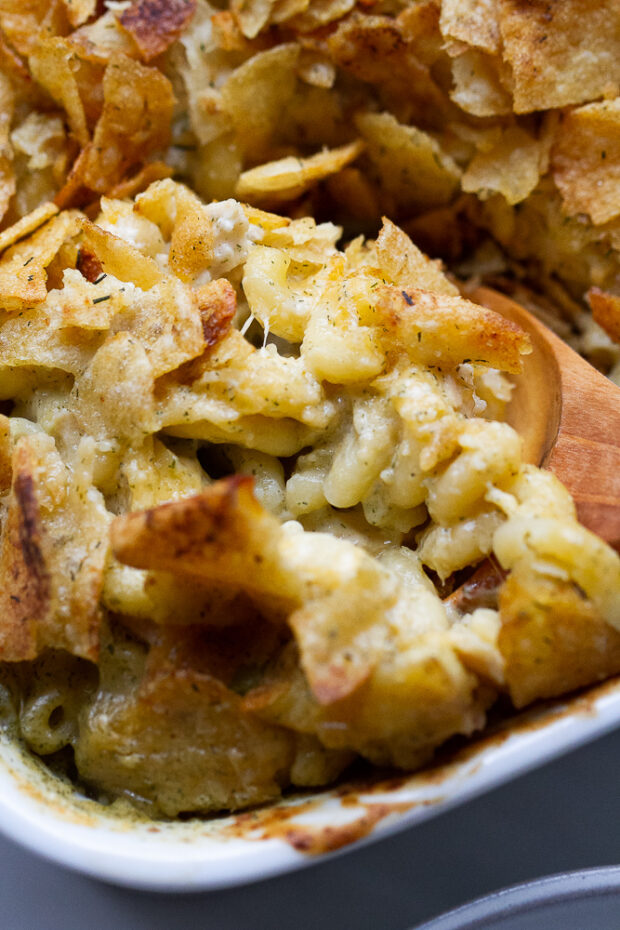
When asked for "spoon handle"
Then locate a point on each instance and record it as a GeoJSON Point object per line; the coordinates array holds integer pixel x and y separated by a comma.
{"type": "Point", "coordinates": [586, 455]}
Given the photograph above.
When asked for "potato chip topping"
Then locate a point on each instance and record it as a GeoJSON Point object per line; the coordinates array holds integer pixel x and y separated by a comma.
{"type": "Point", "coordinates": [261, 510]}
{"type": "Point", "coordinates": [488, 130]}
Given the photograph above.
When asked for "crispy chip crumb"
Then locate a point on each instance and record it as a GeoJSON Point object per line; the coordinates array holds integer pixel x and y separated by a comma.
{"type": "Point", "coordinates": [586, 160]}
{"type": "Point", "coordinates": [155, 24]}
{"type": "Point", "coordinates": [27, 224]}
{"type": "Point", "coordinates": [606, 311]}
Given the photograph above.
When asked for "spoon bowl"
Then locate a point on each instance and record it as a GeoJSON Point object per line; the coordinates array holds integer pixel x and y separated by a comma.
{"type": "Point", "coordinates": [568, 415]}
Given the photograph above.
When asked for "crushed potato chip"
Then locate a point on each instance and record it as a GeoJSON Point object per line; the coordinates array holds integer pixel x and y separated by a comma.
{"type": "Point", "coordinates": [512, 167]}
{"type": "Point", "coordinates": [290, 177]}
{"type": "Point", "coordinates": [27, 224]}
{"type": "Point", "coordinates": [23, 266]}
{"type": "Point", "coordinates": [80, 11]}
{"type": "Point", "coordinates": [561, 54]}
{"type": "Point", "coordinates": [479, 84]}
{"type": "Point", "coordinates": [23, 24]}
{"type": "Point", "coordinates": [586, 161]}
{"type": "Point", "coordinates": [253, 15]}
{"type": "Point", "coordinates": [255, 94]}
{"type": "Point", "coordinates": [135, 120]}
{"type": "Point", "coordinates": [473, 22]}
{"type": "Point", "coordinates": [55, 598]}
{"type": "Point", "coordinates": [154, 25]}
{"type": "Point", "coordinates": [378, 50]}
{"type": "Point", "coordinates": [606, 311]}
{"type": "Point", "coordinates": [410, 164]}
{"type": "Point", "coordinates": [118, 258]}
{"type": "Point", "coordinates": [404, 262]}
{"type": "Point", "coordinates": [54, 65]}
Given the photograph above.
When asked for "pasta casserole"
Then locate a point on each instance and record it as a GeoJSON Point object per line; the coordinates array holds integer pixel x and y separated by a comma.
{"type": "Point", "coordinates": [246, 475]}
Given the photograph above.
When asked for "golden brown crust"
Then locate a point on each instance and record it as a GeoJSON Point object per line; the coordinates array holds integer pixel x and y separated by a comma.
{"type": "Point", "coordinates": [119, 258]}
{"type": "Point", "coordinates": [376, 49]}
{"type": "Point", "coordinates": [222, 534]}
{"type": "Point", "coordinates": [50, 593]}
{"type": "Point", "coordinates": [80, 11]}
{"type": "Point", "coordinates": [436, 326]}
{"type": "Point", "coordinates": [134, 122]}
{"type": "Point", "coordinates": [552, 638]}
{"type": "Point", "coordinates": [218, 303]}
{"type": "Point", "coordinates": [230, 38]}
{"type": "Point", "coordinates": [155, 24]}
{"type": "Point", "coordinates": [26, 584]}
{"type": "Point", "coordinates": [11, 62]}
{"type": "Point", "coordinates": [557, 50]}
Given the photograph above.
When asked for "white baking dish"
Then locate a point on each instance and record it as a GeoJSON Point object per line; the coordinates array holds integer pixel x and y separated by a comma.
{"type": "Point", "coordinates": [49, 818]}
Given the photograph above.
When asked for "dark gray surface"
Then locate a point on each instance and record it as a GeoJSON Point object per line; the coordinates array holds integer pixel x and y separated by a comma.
{"type": "Point", "coordinates": [562, 817]}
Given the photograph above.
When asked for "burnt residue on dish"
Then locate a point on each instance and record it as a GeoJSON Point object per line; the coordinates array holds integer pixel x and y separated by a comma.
{"type": "Point", "coordinates": [282, 821]}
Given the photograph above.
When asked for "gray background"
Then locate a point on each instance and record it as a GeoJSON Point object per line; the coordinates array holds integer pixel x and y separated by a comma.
{"type": "Point", "coordinates": [563, 816]}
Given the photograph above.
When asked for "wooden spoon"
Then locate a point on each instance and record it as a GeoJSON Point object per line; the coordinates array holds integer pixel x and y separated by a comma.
{"type": "Point", "coordinates": [569, 417]}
